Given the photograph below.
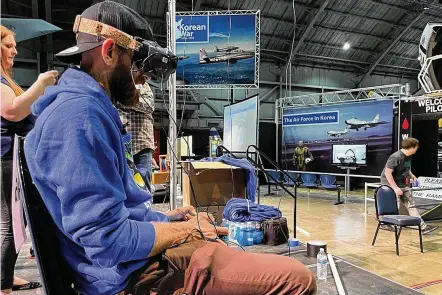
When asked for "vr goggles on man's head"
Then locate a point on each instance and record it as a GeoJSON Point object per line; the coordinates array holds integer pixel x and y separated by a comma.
{"type": "Point", "coordinates": [155, 61]}
{"type": "Point", "coordinates": [149, 57]}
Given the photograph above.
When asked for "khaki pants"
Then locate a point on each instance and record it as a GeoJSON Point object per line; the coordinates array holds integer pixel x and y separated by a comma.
{"type": "Point", "coordinates": [219, 270]}
{"type": "Point", "coordinates": [406, 205]}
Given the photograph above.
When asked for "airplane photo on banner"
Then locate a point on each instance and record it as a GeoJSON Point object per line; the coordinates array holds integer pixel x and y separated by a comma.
{"type": "Point", "coordinates": [231, 56]}
{"type": "Point", "coordinates": [333, 133]}
{"type": "Point", "coordinates": [357, 124]}
{"type": "Point", "coordinates": [226, 49]}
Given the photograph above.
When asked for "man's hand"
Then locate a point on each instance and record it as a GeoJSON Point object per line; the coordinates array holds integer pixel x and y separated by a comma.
{"type": "Point", "coordinates": [391, 182]}
{"type": "Point", "coordinates": [181, 214]}
{"type": "Point", "coordinates": [398, 191]}
{"type": "Point", "coordinates": [202, 224]}
{"type": "Point", "coordinates": [169, 234]}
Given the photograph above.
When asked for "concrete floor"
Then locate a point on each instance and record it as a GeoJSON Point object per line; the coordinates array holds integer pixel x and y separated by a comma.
{"type": "Point", "coordinates": [26, 268]}
{"type": "Point", "coordinates": [348, 233]}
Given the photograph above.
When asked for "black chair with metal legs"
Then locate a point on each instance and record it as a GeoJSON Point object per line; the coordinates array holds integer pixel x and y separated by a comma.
{"type": "Point", "coordinates": [55, 274]}
{"type": "Point", "coordinates": [387, 213]}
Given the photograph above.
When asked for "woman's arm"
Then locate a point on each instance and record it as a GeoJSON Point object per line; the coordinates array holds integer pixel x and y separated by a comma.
{"type": "Point", "coordinates": [154, 163]}
{"type": "Point", "coordinates": [16, 108]}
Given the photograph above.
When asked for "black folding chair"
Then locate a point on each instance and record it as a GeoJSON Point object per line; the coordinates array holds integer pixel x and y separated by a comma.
{"type": "Point", "coordinates": [55, 273]}
{"type": "Point", "coordinates": [387, 213]}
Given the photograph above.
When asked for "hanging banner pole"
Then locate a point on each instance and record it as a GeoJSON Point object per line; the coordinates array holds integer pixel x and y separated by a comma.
{"type": "Point", "coordinates": [277, 131]}
{"type": "Point", "coordinates": [405, 117]}
{"type": "Point", "coordinates": [172, 108]}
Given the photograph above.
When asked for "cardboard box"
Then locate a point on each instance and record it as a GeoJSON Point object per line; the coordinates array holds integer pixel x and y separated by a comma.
{"type": "Point", "coordinates": [160, 177]}
{"type": "Point", "coordinates": [213, 182]}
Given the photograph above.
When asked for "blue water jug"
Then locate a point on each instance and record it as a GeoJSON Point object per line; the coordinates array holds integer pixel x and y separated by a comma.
{"type": "Point", "coordinates": [246, 234]}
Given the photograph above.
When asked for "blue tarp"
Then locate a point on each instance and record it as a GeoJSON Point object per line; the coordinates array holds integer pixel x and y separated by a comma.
{"type": "Point", "coordinates": [251, 179]}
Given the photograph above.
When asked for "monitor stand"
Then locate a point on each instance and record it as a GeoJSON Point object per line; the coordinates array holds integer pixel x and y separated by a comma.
{"type": "Point", "coordinates": [347, 178]}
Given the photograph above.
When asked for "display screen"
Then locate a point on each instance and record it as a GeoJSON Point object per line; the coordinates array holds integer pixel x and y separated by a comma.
{"type": "Point", "coordinates": [349, 154]}
{"type": "Point", "coordinates": [240, 125]}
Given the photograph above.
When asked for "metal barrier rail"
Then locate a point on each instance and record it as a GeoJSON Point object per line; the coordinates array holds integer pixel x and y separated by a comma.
{"type": "Point", "coordinates": [298, 183]}
{"type": "Point", "coordinates": [346, 176]}
{"type": "Point", "coordinates": [335, 174]}
{"type": "Point", "coordinates": [220, 149]}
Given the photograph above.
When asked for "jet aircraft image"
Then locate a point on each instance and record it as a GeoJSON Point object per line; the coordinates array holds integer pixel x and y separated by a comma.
{"type": "Point", "coordinates": [357, 124]}
{"type": "Point", "coordinates": [228, 57]}
{"type": "Point", "coordinates": [227, 49]}
{"type": "Point", "coordinates": [337, 133]}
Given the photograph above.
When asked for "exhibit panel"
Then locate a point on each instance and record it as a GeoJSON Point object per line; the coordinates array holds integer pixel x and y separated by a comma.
{"type": "Point", "coordinates": [358, 133]}
{"type": "Point", "coordinates": [218, 49]}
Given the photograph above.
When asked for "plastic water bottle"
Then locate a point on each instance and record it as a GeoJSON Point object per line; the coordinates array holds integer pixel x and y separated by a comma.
{"type": "Point", "coordinates": [232, 231]}
{"type": "Point", "coordinates": [258, 235]}
{"type": "Point", "coordinates": [225, 223]}
{"type": "Point", "coordinates": [322, 264]}
{"type": "Point", "coordinates": [179, 196]}
{"type": "Point", "coordinates": [248, 231]}
{"type": "Point", "coordinates": [415, 183]}
{"type": "Point", "coordinates": [239, 232]}
{"type": "Point", "coordinates": [178, 190]}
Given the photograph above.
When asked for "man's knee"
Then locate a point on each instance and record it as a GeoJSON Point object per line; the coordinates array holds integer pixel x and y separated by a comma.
{"type": "Point", "coordinates": [407, 198]}
{"type": "Point", "coordinates": [301, 279]}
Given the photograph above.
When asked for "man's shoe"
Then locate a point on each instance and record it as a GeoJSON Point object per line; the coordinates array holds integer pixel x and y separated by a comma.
{"type": "Point", "coordinates": [429, 229]}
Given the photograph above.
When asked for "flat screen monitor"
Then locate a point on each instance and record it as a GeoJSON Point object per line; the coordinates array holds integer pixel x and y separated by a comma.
{"type": "Point", "coordinates": [185, 145]}
{"type": "Point", "coordinates": [240, 125]}
{"type": "Point", "coordinates": [349, 154]}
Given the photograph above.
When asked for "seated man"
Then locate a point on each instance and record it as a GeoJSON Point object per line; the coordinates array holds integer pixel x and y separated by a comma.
{"type": "Point", "coordinates": [109, 235]}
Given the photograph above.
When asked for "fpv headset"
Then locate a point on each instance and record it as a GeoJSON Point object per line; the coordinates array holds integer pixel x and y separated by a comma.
{"type": "Point", "coordinates": [149, 57]}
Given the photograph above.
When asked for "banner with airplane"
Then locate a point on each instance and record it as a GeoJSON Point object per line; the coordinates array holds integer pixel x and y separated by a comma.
{"type": "Point", "coordinates": [217, 50]}
{"type": "Point", "coordinates": [354, 123]}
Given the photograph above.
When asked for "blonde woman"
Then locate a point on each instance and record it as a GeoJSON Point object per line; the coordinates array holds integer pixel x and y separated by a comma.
{"type": "Point", "coordinates": [16, 118]}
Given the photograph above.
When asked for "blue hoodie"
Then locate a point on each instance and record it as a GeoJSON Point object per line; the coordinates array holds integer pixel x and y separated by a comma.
{"type": "Point", "coordinates": [76, 157]}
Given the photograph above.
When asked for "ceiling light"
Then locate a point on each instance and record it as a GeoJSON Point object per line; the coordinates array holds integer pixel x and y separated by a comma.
{"type": "Point", "coordinates": [346, 46]}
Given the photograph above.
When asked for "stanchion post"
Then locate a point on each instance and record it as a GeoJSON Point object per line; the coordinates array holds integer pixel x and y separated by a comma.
{"type": "Point", "coordinates": [172, 107]}
{"type": "Point", "coordinates": [277, 131]}
{"type": "Point", "coordinates": [294, 213]}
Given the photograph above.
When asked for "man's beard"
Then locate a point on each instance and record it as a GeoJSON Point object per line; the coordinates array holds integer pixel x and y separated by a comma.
{"type": "Point", "coordinates": [121, 86]}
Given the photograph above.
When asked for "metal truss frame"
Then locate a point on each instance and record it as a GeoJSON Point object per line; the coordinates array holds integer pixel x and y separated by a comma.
{"type": "Point", "coordinates": [432, 95]}
{"type": "Point", "coordinates": [369, 93]}
{"type": "Point", "coordinates": [257, 14]}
